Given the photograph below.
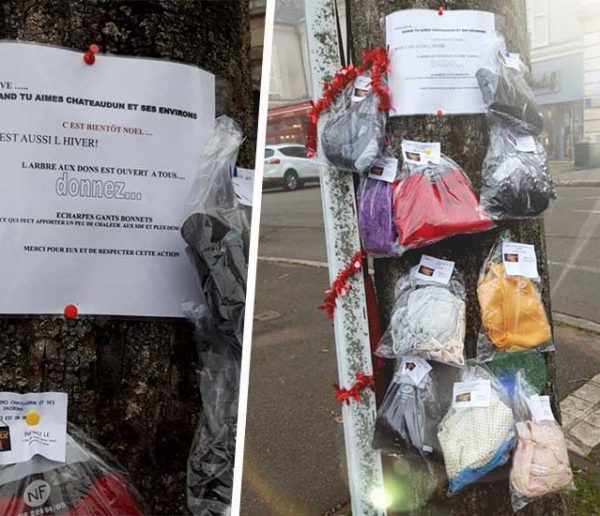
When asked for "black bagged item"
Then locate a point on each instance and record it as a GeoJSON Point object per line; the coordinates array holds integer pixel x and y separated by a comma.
{"type": "Point", "coordinates": [216, 231]}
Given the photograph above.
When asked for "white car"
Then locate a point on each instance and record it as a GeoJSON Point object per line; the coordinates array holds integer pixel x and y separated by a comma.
{"type": "Point", "coordinates": [288, 165]}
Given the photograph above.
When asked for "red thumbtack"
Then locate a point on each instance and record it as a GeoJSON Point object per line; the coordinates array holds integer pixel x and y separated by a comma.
{"type": "Point", "coordinates": [89, 57]}
{"type": "Point", "coordinates": [439, 112]}
{"type": "Point", "coordinates": [440, 10]}
{"type": "Point", "coordinates": [70, 311]}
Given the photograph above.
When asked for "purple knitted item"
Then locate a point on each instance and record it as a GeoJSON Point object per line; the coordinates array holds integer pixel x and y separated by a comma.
{"type": "Point", "coordinates": [375, 217]}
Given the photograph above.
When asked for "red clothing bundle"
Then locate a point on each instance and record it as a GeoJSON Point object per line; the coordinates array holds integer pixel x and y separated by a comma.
{"type": "Point", "coordinates": [434, 202]}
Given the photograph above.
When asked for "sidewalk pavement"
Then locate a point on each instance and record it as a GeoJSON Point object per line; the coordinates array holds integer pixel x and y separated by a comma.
{"type": "Point", "coordinates": [563, 174]}
{"type": "Point", "coordinates": [294, 454]}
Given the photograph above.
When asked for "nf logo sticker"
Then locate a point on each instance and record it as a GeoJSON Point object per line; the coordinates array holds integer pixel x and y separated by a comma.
{"type": "Point", "coordinates": [36, 493]}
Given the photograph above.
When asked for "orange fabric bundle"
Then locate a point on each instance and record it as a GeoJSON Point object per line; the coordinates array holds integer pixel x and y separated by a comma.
{"type": "Point", "coordinates": [512, 311]}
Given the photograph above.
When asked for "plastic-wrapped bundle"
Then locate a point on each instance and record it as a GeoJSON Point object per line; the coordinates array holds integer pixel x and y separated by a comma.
{"type": "Point", "coordinates": [513, 316]}
{"type": "Point", "coordinates": [477, 434]}
{"type": "Point", "coordinates": [516, 183]}
{"type": "Point", "coordinates": [428, 320]}
{"type": "Point", "coordinates": [505, 91]}
{"type": "Point", "coordinates": [541, 461]}
{"type": "Point", "coordinates": [375, 217]}
{"type": "Point", "coordinates": [433, 202]}
{"type": "Point", "coordinates": [356, 102]}
{"type": "Point", "coordinates": [216, 231]}
{"type": "Point", "coordinates": [89, 482]}
{"type": "Point", "coordinates": [415, 402]}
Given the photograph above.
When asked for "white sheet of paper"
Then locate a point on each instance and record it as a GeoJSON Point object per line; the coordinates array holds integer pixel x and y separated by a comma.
{"type": "Point", "coordinates": [519, 260]}
{"type": "Point", "coordinates": [434, 58]}
{"type": "Point", "coordinates": [22, 438]}
{"type": "Point", "coordinates": [472, 393]}
{"type": "Point", "coordinates": [243, 184]}
{"type": "Point", "coordinates": [91, 197]}
{"type": "Point", "coordinates": [434, 269]}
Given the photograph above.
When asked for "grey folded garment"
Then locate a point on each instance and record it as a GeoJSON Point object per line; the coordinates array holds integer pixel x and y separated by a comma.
{"type": "Point", "coordinates": [353, 135]}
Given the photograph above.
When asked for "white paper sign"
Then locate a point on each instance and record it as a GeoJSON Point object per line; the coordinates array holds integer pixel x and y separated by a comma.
{"type": "Point", "coordinates": [243, 184]}
{"type": "Point", "coordinates": [540, 408]}
{"type": "Point", "coordinates": [96, 165]}
{"type": "Point", "coordinates": [362, 85]}
{"type": "Point", "coordinates": [522, 142]}
{"type": "Point", "coordinates": [434, 58]}
{"type": "Point", "coordinates": [32, 424]}
{"type": "Point", "coordinates": [434, 269]}
{"type": "Point", "coordinates": [413, 369]}
{"type": "Point", "coordinates": [385, 169]}
{"type": "Point", "coordinates": [519, 260]}
{"type": "Point", "coordinates": [420, 153]}
{"type": "Point", "coordinates": [472, 393]}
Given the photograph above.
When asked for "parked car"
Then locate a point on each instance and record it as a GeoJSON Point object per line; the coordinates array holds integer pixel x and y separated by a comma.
{"type": "Point", "coordinates": [288, 165]}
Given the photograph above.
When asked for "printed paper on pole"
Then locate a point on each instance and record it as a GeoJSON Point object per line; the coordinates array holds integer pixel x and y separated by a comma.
{"type": "Point", "coordinates": [433, 60]}
{"type": "Point", "coordinates": [96, 165]}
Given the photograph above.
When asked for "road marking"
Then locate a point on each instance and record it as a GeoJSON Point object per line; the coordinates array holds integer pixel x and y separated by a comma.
{"type": "Point", "coordinates": [585, 268]}
{"type": "Point", "coordinates": [596, 212]}
{"type": "Point", "coordinates": [293, 261]}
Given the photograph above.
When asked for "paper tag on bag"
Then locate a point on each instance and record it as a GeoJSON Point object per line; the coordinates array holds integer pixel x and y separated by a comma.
{"type": "Point", "coordinates": [421, 153]}
{"type": "Point", "coordinates": [519, 260]}
{"type": "Point", "coordinates": [511, 60]}
{"type": "Point", "coordinates": [522, 142]}
{"type": "Point", "coordinates": [32, 424]}
{"type": "Point", "coordinates": [540, 408]}
{"type": "Point", "coordinates": [385, 169]}
{"type": "Point", "coordinates": [362, 85]}
{"type": "Point", "coordinates": [472, 393]}
{"type": "Point", "coordinates": [434, 269]}
{"type": "Point", "coordinates": [413, 368]}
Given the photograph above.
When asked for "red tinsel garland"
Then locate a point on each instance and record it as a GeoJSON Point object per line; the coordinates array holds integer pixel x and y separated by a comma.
{"type": "Point", "coordinates": [377, 61]}
{"type": "Point", "coordinates": [363, 381]}
{"type": "Point", "coordinates": [341, 284]}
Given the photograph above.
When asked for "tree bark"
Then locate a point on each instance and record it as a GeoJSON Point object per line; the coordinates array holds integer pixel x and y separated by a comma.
{"type": "Point", "coordinates": [464, 139]}
{"type": "Point", "coordinates": [131, 382]}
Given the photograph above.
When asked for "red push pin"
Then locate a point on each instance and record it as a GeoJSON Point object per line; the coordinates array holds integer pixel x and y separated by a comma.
{"type": "Point", "coordinates": [89, 57]}
{"type": "Point", "coordinates": [70, 311]}
{"type": "Point", "coordinates": [439, 112]}
{"type": "Point", "coordinates": [440, 10]}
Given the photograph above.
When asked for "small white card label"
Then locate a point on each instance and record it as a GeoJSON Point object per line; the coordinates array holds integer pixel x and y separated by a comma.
{"type": "Point", "coordinates": [434, 269]}
{"type": "Point", "coordinates": [519, 260]}
{"type": "Point", "coordinates": [362, 85]}
{"type": "Point", "coordinates": [522, 142]}
{"type": "Point", "coordinates": [413, 368]}
{"type": "Point", "coordinates": [32, 424]}
{"type": "Point", "coordinates": [540, 408]}
{"type": "Point", "coordinates": [421, 153]}
{"type": "Point", "coordinates": [511, 60]}
{"type": "Point", "coordinates": [385, 169]}
{"type": "Point", "coordinates": [472, 393]}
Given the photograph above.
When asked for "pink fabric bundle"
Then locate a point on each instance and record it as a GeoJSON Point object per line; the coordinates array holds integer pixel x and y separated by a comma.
{"type": "Point", "coordinates": [541, 462]}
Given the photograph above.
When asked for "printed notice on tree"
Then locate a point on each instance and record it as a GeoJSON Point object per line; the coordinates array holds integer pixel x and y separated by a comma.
{"type": "Point", "coordinates": [96, 166]}
{"type": "Point", "coordinates": [433, 60]}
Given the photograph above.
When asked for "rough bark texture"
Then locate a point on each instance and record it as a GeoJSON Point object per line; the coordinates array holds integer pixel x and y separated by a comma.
{"type": "Point", "coordinates": [131, 383]}
{"type": "Point", "coordinates": [465, 139]}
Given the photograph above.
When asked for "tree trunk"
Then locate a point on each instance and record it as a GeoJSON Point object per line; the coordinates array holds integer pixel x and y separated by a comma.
{"type": "Point", "coordinates": [131, 383]}
{"type": "Point", "coordinates": [464, 139]}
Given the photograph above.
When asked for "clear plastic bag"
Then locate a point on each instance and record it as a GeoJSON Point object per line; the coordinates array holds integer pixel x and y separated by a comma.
{"type": "Point", "coordinates": [216, 231]}
{"type": "Point", "coordinates": [375, 216]}
{"type": "Point", "coordinates": [356, 102]}
{"type": "Point", "coordinates": [433, 202]}
{"type": "Point", "coordinates": [415, 402]}
{"type": "Point", "coordinates": [540, 464]}
{"type": "Point", "coordinates": [516, 183]}
{"type": "Point", "coordinates": [505, 91]}
{"type": "Point", "coordinates": [428, 320]}
{"type": "Point", "coordinates": [90, 481]}
{"type": "Point", "coordinates": [513, 315]}
{"type": "Point", "coordinates": [477, 434]}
